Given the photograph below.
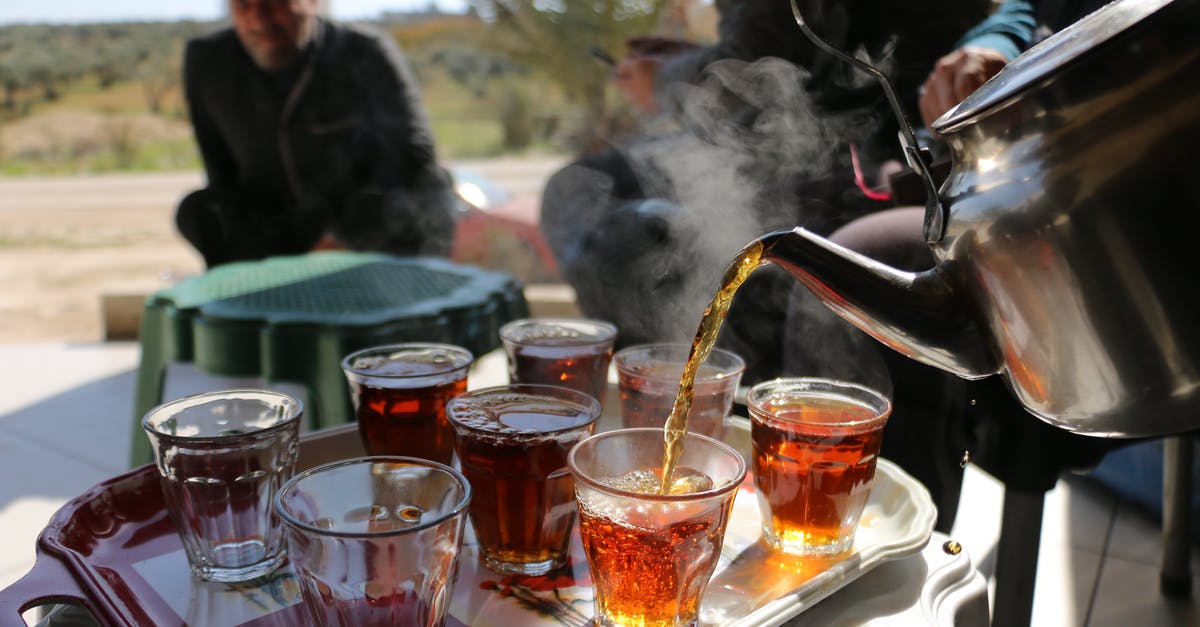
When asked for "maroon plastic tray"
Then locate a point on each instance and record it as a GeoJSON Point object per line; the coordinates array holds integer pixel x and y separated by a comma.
{"type": "Point", "coordinates": [89, 551]}
{"type": "Point", "coordinates": [113, 550]}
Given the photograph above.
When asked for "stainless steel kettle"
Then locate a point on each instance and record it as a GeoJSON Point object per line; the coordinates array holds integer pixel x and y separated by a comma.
{"type": "Point", "coordinates": [1063, 237]}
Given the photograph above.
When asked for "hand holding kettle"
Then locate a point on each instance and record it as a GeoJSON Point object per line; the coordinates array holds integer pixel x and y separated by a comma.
{"type": "Point", "coordinates": [1056, 265]}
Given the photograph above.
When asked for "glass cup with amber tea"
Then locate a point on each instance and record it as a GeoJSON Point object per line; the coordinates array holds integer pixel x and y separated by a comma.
{"type": "Point", "coordinates": [648, 377]}
{"type": "Point", "coordinates": [651, 554]}
{"type": "Point", "coordinates": [399, 393]}
{"type": "Point", "coordinates": [816, 443]}
{"type": "Point", "coordinates": [513, 442]}
{"type": "Point", "coordinates": [567, 352]}
{"type": "Point", "coordinates": [376, 540]}
{"type": "Point", "coordinates": [220, 457]}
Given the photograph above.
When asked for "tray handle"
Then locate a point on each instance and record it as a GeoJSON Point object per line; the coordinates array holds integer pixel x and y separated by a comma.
{"type": "Point", "coordinates": [49, 581]}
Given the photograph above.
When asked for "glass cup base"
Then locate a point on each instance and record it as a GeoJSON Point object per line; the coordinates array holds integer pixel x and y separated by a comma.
{"type": "Point", "coordinates": [531, 569]}
{"type": "Point", "coordinates": [801, 547]}
{"type": "Point", "coordinates": [601, 620]}
{"type": "Point", "coordinates": [240, 573]}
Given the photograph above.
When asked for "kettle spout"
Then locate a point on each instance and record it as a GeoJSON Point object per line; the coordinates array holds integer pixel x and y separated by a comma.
{"type": "Point", "coordinates": [921, 315]}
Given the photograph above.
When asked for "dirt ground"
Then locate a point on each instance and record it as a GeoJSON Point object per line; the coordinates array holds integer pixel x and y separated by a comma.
{"type": "Point", "coordinates": [67, 242]}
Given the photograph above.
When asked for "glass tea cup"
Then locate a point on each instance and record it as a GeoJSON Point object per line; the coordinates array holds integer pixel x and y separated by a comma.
{"type": "Point", "coordinates": [651, 555]}
{"type": "Point", "coordinates": [567, 352]}
{"type": "Point", "coordinates": [648, 377]}
{"type": "Point", "coordinates": [220, 457]}
{"type": "Point", "coordinates": [376, 540]}
{"type": "Point", "coordinates": [816, 443]}
{"type": "Point", "coordinates": [512, 444]}
{"type": "Point", "coordinates": [399, 393]}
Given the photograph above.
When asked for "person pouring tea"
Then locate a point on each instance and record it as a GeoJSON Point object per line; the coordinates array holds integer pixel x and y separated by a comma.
{"type": "Point", "coordinates": [313, 136]}
{"type": "Point", "coordinates": [943, 417]}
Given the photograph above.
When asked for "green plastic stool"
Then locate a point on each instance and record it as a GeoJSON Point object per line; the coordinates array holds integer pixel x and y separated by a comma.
{"type": "Point", "coordinates": [294, 319]}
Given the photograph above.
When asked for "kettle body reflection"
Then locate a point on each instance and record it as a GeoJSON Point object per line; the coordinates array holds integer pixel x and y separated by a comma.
{"type": "Point", "coordinates": [1064, 257]}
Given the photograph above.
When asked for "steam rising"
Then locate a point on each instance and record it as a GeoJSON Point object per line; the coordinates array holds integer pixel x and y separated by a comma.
{"type": "Point", "coordinates": [752, 137]}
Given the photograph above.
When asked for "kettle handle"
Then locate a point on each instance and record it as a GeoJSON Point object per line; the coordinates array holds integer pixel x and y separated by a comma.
{"type": "Point", "coordinates": [918, 158]}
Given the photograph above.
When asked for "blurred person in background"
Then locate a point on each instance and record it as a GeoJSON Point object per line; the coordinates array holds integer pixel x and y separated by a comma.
{"type": "Point", "coordinates": [313, 136]}
{"type": "Point", "coordinates": [761, 132]}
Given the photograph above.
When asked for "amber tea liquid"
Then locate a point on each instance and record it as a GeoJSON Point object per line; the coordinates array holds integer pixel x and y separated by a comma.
{"type": "Point", "coordinates": [513, 444]}
{"type": "Point", "coordinates": [746, 262]}
{"type": "Point", "coordinates": [400, 400]}
{"type": "Point", "coordinates": [410, 422]}
{"type": "Point", "coordinates": [563, 365]}
{"type": "Point", "coordinates": [814, 464]}
{"type": "Point", "coordinates": [568, 352]}
{"type": "Point", "coordinates": [652, 576]}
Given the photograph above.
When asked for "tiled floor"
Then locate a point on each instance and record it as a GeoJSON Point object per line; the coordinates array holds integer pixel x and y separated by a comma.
{"type": "Point", "coordinates": [66, 415]}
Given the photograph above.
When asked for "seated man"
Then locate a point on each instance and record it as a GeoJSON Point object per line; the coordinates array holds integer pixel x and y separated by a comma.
{"type": "Point", "coordinates": [312, 136]}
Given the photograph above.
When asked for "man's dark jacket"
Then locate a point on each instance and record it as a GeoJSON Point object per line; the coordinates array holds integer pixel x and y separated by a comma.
{"type": "Point", "coordinates": [338, 144]}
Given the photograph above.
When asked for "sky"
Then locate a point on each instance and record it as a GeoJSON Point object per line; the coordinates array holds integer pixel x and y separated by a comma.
{"type": "Point", "coordinates": [76, 11]}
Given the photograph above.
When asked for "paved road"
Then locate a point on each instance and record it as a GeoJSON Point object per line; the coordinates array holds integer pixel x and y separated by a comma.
{"type": "Point", "coordinates": [66, 241]}
{"type": "Point", "coordinates": [520, 176]}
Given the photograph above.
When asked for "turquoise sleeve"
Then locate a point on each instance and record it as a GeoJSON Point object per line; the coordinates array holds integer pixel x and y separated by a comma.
{"type": "Point", "coordinates": [1009, 30]}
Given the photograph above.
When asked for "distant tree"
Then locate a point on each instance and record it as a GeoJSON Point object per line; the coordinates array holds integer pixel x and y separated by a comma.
{"type": "Point", "coordinates": [553, 37]}
{"type": "Point", "coordinates": [12, 74]}
{"type": "Point", "coordinates": [26, 62]}
{"type": "Point", "coordinates": [158, 71]}
{"type": "Point", "coordinates": [43, 70]}
{"type": "Point", "coordinates": [113, 61]}
{"type": "Point", "coordinates": [471, 67]}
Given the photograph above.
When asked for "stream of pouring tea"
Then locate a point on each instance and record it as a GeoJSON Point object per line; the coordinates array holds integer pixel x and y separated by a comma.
{"type": "Point", "coordinates": [746, 261]}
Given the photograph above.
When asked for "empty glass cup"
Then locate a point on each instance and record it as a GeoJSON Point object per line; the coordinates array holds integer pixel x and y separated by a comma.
{"type": "Point", "coordinates": [375, 540]}
{"type": "Point", "coordinates": [220, 457]}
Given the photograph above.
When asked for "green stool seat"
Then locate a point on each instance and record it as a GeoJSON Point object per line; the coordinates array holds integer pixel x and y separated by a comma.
{"type": "Point", "coordinates": [294, 318]}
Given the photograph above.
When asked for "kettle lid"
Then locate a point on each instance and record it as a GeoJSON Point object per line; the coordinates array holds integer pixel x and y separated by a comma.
{"type": "Point", "coordinates": [1050, 56]}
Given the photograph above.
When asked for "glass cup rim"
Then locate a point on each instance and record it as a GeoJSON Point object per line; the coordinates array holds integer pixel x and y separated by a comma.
{"type": "Point", "coordinates": [658, 498]}
{"type": "Point", "coordinates": [194, 400]}
{"type": "Point", "coordinates": [837, 386]}
{"type": "Point", "coordinates": [738, 369]}
{"type": "Point", "coordinates": [400, 346]}
{"type": "Point", "coordinates": [592, 404]}
{"type": "Point", "coordinates": [291, 520]}
{"type": "Point", "coordinates": [607, 331]}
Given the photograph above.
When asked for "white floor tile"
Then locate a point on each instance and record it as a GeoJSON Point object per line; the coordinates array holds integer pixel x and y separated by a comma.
{"type": "Point", "coordinates": [1077, 515]}
{"type": "Point", "coordinates": [1128, 595]}
{"type": "Point", "coordinates": [37, 481]}
{"type": "Point", "coordinates": [1063, 591]}
{"type": "Point", "coordinates": [90, 422]}
{"type": "Point", "coordinates": [1138, 538]}
{"type": "Point", "coordinates": [36, 372]}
